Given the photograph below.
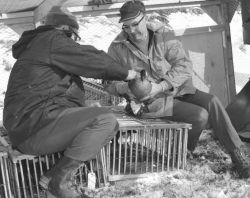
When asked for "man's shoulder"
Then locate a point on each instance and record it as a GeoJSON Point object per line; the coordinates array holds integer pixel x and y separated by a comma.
{"type": "Point", "coordinates": [161, 30]}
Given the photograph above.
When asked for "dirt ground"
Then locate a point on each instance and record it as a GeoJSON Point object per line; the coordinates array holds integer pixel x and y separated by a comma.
{"type": "Point", "coordinates": [209, 174]}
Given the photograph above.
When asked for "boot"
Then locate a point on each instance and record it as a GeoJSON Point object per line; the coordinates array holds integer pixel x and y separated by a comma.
{"type": "Point", "coordinates": [46, 177]}
{"type": "Point", "coordinates": [61, 184]}
{"type": "Point", "coordinates": [242, 161]}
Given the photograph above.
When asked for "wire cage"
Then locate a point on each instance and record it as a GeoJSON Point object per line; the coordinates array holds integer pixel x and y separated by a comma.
{"type": "Point", "coordinates": [25, 171]}
{"type": "Point", "coordinates": [140, 147]}
{"type": "Point", "coordinates": [95, 91]}
{"type": "Point", "coordinates": [146, 147]}
{"type": "Point", "coordinates": [5, 191]}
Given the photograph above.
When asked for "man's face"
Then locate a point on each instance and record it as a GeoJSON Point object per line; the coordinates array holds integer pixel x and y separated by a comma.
{"type": "Point", "coordinates": [136, 28]}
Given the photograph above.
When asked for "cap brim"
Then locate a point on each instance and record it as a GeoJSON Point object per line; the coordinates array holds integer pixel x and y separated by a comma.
{"type": "Point", "coordinates": [129, 17]}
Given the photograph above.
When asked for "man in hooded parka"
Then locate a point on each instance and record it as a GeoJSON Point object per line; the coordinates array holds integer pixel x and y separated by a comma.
{"type": "Point", "coordinates": [44, 107]}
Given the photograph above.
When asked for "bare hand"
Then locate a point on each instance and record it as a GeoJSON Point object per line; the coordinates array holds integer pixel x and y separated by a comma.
{"type": "Point", "coordinates": [132, 74]}
{"type": "Point", "coordinates": [156, 89]}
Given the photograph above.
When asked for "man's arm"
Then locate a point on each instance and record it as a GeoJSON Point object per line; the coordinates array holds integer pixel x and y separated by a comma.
{"type": "Point", "coordinates": [85, 60]}
{"type": "Point", "coordinates": [117, 88]}
{"type": "Point", "coordinates": [181, 66]}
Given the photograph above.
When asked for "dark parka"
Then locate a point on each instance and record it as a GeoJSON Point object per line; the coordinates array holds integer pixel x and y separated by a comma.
{"type": "Point", "coordinates": [45, 78]}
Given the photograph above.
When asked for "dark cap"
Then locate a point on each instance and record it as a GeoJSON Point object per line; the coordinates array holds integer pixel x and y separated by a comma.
{"type": "Point", "coordinates": [60, 16]}
{"type": "Point", "coordinates": [131, 10]}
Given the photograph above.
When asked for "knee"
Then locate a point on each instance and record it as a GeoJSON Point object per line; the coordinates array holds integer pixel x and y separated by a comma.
{"type": "Point", "coordinates": [109, 119]}
{"type": "Point", "coordinates": [202, 117]}
{"type": "Point", "coordinates": [215, 100]}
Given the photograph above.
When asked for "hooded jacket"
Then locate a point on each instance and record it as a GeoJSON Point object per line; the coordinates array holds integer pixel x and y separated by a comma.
{"type": "Point", "coordinates": [45, 78]}
{"type": "Point", "coordinates": [166, 63]}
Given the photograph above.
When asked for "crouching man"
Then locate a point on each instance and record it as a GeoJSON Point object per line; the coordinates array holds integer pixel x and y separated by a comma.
{"type": "Point", "coordinates": [44, 110]}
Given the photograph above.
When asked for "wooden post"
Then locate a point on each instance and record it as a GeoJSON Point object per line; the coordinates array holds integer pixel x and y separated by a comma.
{"type": "Point", "coordinates": [245, 7]}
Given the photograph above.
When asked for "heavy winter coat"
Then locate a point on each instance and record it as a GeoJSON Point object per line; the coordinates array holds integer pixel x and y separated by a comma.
{"type": "Point", "coordinates": [45, 78]}
{"type": "Point", "coordinates": [166, 61]}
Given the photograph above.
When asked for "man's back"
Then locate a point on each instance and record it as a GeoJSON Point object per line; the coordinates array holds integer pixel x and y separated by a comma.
{"type": "Point", "coordinates": [36, 85]}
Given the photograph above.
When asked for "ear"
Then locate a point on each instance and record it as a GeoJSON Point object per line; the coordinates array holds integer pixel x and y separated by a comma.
{"type": "Point", "coordinates": [63, 27]}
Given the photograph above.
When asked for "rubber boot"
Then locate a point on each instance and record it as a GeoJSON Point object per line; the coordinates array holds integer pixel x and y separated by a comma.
{"type": "Point", "coordinates": [241, 161]}
{"type": "Point", "coordinates": [46, 177]}
{"type": "Point", "coordinates": [61, 184]}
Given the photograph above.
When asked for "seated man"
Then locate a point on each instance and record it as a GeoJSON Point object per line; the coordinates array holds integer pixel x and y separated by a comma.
{"type": "Point", "coordinates": [172, 96]}
{"type": "Point", "coordinates": [44, 108]}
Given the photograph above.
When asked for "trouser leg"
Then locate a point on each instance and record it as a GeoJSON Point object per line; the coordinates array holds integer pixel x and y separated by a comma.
{"type": "Point", "coordinates": [79, 132]}
{"type": "Point", "coordinates": [193, 114]}
{"type": "Point", "coordinates": [218, 118]}
{"type": "Point", "coordinates": [239, 109]}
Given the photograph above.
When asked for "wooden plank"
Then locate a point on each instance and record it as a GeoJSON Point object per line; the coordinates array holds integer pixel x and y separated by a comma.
{"type": "Point", "coordinates": [199, 30]}
{"type": "Point", "coordinates": [228, 56]}
{"type": "Point", "coordinates": [206, 52]}
{"type": "Point", "coordinates": [151, 5]}
{"type": "Point", "coordinates": [7, 6]}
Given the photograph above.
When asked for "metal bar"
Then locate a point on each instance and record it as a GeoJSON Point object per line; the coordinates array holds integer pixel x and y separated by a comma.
{"type": "Point", "coordinates": [125, 152]}
{"type": "Point", "coordinates": [53, 159]}
{"type": "Point", "coordinates": [22, 177]}
{"type": "Point", "coordinates": [17, 181]}
{"type": "Point", "coordinates": [152, 148]}
{"type": "Point", "coordinates": [119, 158]}
{"type": "Point", "coordinates": [131, 153]}
{"type": "Point", "coordinates": [36, 178]}
{"type": "Point", "coordinates": [174, 149]}
{"type": "Point", "coordinates": [40, 165]}
{"type": "Point", "coordinates": [7, 177]}
{"type": "Point", "coordinates": [185, 139]}
{"type": "Point", "coordinates": [169, 147]}
{"type": "Point", "coordinates": [103, 166]}
{"type": "Point", "coordinates": [136, 149]}
{"type": "Point", "coordinates": [147, 149]}
{"type": "Point", "coordinates": [114, 155]}
{"type": "Point", "coordinates": [179, 148]}
{"type": "Point", "coordinates": [108, 159]}
{"type": "Point", "coordinates": [158, 146]}
{"type": "Point", "coordinates": [3, 176]}
{"type": "Point", "coordinates": [29, 178]}
{"type": "Point", "coordinates": [163, 149]}
{"type": "Point", "coordinates": [46, 161]}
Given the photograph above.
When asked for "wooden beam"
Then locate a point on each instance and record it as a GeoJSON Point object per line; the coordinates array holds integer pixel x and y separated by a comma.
{"type": "Point", "coordinates": [151, 5]}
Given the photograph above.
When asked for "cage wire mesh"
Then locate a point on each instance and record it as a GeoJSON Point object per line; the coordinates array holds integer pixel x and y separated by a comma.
{"type": "Point", "coordinates": [140, 146]}
{"type": "Point", "coordinates": [144, 148]}
{"type": "Point", "coordinates": [5, 191]}
{"type": "Point", "coordinates": [25, 171]}
{"type": "Point", "coordinates": [95, 91]}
